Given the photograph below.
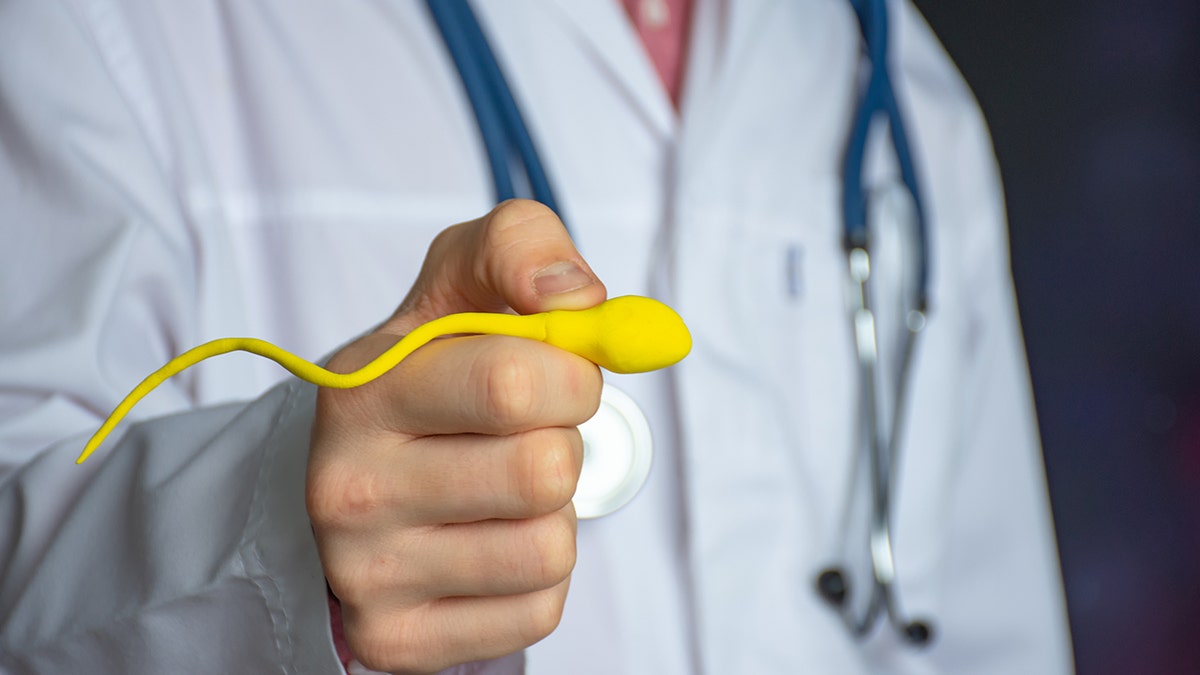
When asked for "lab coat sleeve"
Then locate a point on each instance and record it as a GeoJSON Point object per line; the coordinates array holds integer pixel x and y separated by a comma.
{"type": "Point", "coordinates": [183, 545]}
{"type": "Point", "coordinates": [1004, 605]}
{"type": "Point", "coordinates": [185, 548]}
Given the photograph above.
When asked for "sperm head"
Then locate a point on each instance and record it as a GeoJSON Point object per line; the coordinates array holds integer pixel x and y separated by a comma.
{"type": "Point", "coordinates": [629, 334]}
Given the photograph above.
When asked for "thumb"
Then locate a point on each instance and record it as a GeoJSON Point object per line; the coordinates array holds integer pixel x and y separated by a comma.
{"type": "Point", "coordinates": [517, 257]}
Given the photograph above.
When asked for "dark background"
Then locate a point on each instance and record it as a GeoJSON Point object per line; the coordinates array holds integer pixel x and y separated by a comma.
{"type": "Point", "coordinates": [1095, 112]}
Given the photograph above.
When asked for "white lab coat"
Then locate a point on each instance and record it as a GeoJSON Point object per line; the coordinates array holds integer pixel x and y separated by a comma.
{"type": "Point", "coordinates": [174, 172]}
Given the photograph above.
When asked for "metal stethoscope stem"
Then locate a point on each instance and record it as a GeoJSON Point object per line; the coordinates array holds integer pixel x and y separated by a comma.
{"type": "Point", "coordinates": [881, 444]}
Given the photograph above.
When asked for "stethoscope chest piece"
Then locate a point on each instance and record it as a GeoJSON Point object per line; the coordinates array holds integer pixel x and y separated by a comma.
{"type": "Point", "coordinates": [617, 452]}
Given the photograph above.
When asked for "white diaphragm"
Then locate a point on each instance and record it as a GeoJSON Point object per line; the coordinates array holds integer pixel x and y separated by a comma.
{"type": "Point", "coordinates": [617, 452]}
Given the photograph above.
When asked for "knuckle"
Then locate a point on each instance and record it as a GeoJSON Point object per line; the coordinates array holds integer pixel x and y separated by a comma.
{"type": "Point", "coordinates": [366, 636]}
{"type": "Point", "coordinates": [548, 465]}
{"type": "Point", "coordinates": [589, 386]}
{"type": "Point", "coordinates": [545, 613]}
{"type": "Point", "coordinates": [510, 392]}
{"type": "Point", "coordinates": [343, 581]}
{"type": "Point", "coordinates": [373, 643]}
{"type": "Point", "coordinates": [513, 223]}
{"type": "Point", "coordinates": [554, 543]}
{"type": "Point", "coordinates": [318, 498]}
{"type": "Point", "coordinates": [391, 644]}
{"type": "Point", "coordinates": [381, 572]}
{"type": "Point", "coordinates": [367, 571]}
{"type": "Point", "coordinates": [338, 498]}
{"type": "Point", "coordinates": [445, 241]}
{"type": "Point", "coordinates": [572, 449]}
{"type": "Point", "coordinates": [359, 580]}
{"type": "Point", "coordinates": [513, 213]}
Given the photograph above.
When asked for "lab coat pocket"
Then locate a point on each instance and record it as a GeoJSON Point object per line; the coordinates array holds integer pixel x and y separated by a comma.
{"type": "Point", "coordinates": [762, 285]}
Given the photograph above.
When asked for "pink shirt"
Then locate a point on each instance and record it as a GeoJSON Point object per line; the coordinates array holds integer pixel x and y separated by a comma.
{"type": "Point", "coordinates": [663, 27]}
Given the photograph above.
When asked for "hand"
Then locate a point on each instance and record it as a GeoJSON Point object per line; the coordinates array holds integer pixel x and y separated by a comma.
{"type": "Point", "coordinates": [440, 494]}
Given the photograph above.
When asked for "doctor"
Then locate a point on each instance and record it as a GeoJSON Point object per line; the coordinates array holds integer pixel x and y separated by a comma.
{"type": "Point", "coordinates": [177, 172]}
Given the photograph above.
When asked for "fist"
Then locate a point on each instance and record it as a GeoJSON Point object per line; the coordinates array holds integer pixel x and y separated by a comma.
{"type": "Point", "coordinates": [440, 494]}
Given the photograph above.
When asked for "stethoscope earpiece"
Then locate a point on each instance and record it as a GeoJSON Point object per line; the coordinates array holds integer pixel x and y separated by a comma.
{"type": "Point", "coordinates": [833, 587]}
{"type": "Point", "coordinates": [918, 632]}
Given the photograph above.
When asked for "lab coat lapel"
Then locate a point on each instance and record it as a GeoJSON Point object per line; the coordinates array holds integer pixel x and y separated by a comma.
{"type": "Point", "coordinates": [722, 35]}
{"type": "Point", "coordinates": [608, 35]}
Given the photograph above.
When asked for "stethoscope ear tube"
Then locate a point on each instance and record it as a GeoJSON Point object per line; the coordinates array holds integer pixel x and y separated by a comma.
{"type": "Point", "coordinates": [879, 100]}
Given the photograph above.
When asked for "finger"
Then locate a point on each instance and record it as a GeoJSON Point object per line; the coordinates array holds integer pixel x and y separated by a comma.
{"type": "Point", "coordinates": [518, 256]}
{"type": "Point", "coordinates": [464, 479]}
{"type": "Point", "coordinates": [453, 630]}
{"type": "Point", "coordinates": [410, 567]}
{"type": "Point", "coordinates": [491, 557]}
{"type": "Point", "coordinates": [486, 384]}
{"type": "Point", "coordinates": [447, 479]}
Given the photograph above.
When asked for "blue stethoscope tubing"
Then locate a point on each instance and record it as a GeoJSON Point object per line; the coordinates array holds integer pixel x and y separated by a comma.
{"type": "Point", "coordinates": [878, 99]}
{"type": "Point", "coordinates": [505, 135]}
{"type": "Point", "coordinates": [507, 141]}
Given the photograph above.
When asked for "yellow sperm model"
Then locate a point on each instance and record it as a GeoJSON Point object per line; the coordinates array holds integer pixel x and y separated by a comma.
{"type": "Point", "coordinates": [629, 334]}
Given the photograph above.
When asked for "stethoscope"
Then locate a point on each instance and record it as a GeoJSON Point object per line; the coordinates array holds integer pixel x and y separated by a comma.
{"type": "Point", "coordinates": [508, 143]}
{"type": "Point", "coordinates": [879, 442]}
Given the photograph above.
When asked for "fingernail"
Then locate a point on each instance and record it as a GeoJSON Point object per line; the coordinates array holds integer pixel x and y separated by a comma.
{"type": "Point", "coordinates": [561, 277]}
